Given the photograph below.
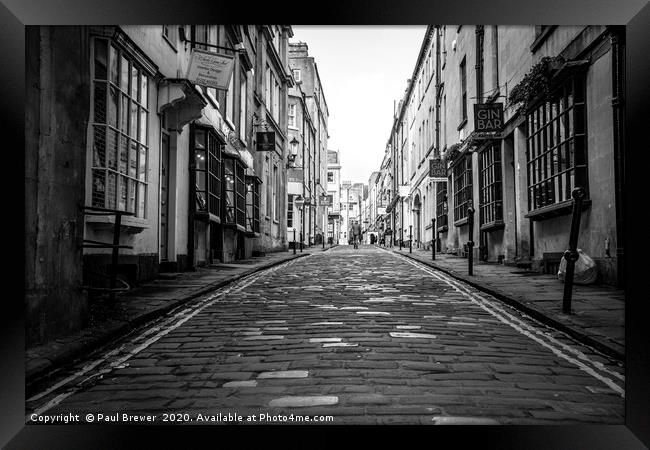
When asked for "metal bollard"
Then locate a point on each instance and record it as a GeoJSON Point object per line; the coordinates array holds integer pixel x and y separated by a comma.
{"type": "Point", "coordinates": [301, 242]}
{"type": "Point", "coordinates": [571, 255]}
{"type": "Point", "coordinates": [433, 239]}
{"type": "Point", "coordinates": [294, 241]}
{"type": "Point", "coordinates": [470, 243]}
{"type": "Point", "coordinates": [410, 238]}
{"type": "Point", "coordinates": [401, 232]}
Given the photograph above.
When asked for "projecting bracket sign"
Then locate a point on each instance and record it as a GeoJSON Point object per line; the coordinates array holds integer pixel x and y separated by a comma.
{"type": "Point", "coordinates": [210, 69]}
{"type": "Point", "coordinates": [265, 141]}
{"type": "Point", "coordinates": [437, 168]}
{"type": "Point", "coordinates": [488, 118]}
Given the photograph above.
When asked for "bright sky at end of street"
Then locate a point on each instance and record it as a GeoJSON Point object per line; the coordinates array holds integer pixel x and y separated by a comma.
{"type": "Point", "coordinates": [363, 70]}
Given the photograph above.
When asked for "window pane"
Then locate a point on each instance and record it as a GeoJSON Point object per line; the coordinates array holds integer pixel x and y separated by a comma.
{"type": "Point", "coordinates": [122, 191]}
{"type": "Point", "coordinates": [133, 159]}
{"type": "Point", "coordinates": [99, 188]}
{"type": "Point", "coordinates": [114, 65]}
{"type": "Point", "coordinates": [143, 126]}
{"type": "Point", "coordinates": [200, 181]}
{"type": "Point", "coordinates": [199, 138]}
{"type": "Point", "coordinates": [111, 149]}
{"type": "Point", "coordinates": [99, 102]}
{"type": "Point", "coordinates": [124, 111]}
{"type": "Point", "coordinates": [99, 146]}
{"type": "Point", "coordinates": [124, 75]}
{"type": "Point", "coordinates": [132, 193]}
{"type": "Point", "coordinates": [112, 106]}
{"type": "Point", "coordinates": [135, 83]}
{"type": "Point", "coordinates": [142, 164]}
{"type": "Point", "coordinates": [124, 154]}
{"type": "Point", "coordinates": [101, 59]}
{"type": "Point", "coordinates": [133, 120]}
{"type": "Point", "coordinates": [111, 189]}
{"type": "Point", "coordinates": [141, 199]}
{"type": "Point", "coordinates": [144, 86]}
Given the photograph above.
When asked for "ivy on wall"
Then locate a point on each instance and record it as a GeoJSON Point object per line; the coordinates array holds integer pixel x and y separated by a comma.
{"type": "Point", "coordinates": [536, 84]}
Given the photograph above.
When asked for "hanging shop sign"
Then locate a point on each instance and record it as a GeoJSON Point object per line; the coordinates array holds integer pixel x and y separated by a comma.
{"type": "Point", "coordinates": [326, 200]}
{"type": "Point", "coordinates": [437, 168]}
{"type": "Point", "coordinates": [488, 117]}
{"type": "Point", "coordinates": [210, 69]}
{"type": "Point", "coordinates": [265, 141]}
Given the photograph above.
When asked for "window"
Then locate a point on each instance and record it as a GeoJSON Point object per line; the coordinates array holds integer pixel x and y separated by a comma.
{"type": "Point", "coordinates": [556, 159]}
{"type": "Point", "coordinates": [462, 176]}
{"type": "Point", "coordinates": [267, 87]}
{"type": "Point", "coordinates": [230, 100]}
{"type": "Point", "coordinates": [296, 75]}
{"type": "Point", "coordinates": [207, 169]}
{"type": "Point", "coordinates": [491, 198]}
{"type": "Point", "coordinates": [243, 98]}
{"type": "Point", "coordinates": [276, 191]}
{"type": "Point", "coordinates": [206, 34]}
{"type": "Point", "coordinates": [234, 192]}
{"type": "Point", "coordinates": [330, 177]}
{"type": "Point", "coordinates": [169, 32]}
{"type": "Point", "coordinates": [252, 205]}
{"type": "Point", "coordinates": [292, 116]}
{"type": "Point", "coordinates": [463, 91]}
{"type": "Point", "coordinates": [290, 211]}
{"type": "Point", "coordinates": [275, 110]}
{"type": "Point", "coordinates": [119, 139]}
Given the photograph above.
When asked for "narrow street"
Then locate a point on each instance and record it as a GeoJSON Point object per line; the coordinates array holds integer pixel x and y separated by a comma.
{"type": "Point", "coordinates": [364, 336]}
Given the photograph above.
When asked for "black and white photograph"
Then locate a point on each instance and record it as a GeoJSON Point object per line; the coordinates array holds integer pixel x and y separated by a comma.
{"type": "Point", "coordinates": [325, 225]}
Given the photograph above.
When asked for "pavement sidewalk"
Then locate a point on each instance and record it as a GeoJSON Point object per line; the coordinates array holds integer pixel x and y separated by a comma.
{"type": "Point", "coordinates": [598, 311]}
{"type": "Point", "coordinates": [148, 301]}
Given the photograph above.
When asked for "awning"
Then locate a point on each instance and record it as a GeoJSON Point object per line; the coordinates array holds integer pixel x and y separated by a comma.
{"type": "Point", "coordinates": [180, 102]}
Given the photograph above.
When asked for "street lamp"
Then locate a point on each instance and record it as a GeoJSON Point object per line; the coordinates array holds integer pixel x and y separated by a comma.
{"type": "Point", "coordinates": [299, 202]}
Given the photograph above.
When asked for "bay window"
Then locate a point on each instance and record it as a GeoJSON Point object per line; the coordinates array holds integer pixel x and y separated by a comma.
{"type": "Point", "coordinates": [491, 197]}
{"type": "Point", "coordinates": [462, 177]}
{"type": "Point", "coordinates": [234, 188]}
{"type": "Point", "coordinates": [119, 139]}
{"type": "Point", "coordinates": [252, 205]}
{"type": "Point", "coordinates": [556, 146]}
{"type": "Point", "coordinates": [207, 170]}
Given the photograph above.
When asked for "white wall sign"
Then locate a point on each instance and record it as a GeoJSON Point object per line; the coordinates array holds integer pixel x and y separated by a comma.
{"type": "Point", "coordinates": [210, 69]}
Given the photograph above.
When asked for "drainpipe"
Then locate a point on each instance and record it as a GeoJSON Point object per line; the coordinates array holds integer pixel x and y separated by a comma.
{"type": "Point", "coordinates": [495, 59]}
{"type": "Point", "coordinates": [617, 40]}
{"type": "Point", "coordinates": [437, 151]}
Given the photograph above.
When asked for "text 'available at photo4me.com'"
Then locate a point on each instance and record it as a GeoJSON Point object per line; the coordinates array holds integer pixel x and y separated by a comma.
{"type": "Point", "coordinates": [222, 418]}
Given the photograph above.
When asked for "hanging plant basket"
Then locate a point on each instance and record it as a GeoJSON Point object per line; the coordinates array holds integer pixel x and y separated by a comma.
{"type": "Point", "coordinates": [536, 84]}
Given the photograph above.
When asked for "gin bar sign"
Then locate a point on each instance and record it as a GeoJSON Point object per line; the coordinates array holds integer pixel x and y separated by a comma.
{"type": "Point", "coordinates": [488, 117]}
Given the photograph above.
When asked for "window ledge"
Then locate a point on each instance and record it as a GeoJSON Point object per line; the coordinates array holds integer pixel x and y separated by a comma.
{"type": "Point", "coordinates": [460, 222]}
{"type": "Point", "coordinates": [493, 226]}
{"type": "Point", "coordinates": [559, 209]}
{"type": "Point", "coordinates": [539, 40]}
{"type": "Point", "coordinates": [130, 225]}
{"type": "Point", "coordinates": [442, 229]}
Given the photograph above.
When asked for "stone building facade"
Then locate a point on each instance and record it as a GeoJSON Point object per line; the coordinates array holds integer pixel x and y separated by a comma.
{"type": "Point", "coordinates": [562, 92]}
{"type": "Point", "coordinates": [115, 127]}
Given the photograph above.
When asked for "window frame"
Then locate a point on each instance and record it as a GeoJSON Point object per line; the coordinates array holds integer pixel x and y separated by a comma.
{"type": "Point", "coordinates": [442, 212]}
{"type": "Point", "coordinates": [556, 146]}
{"type": "Point", "coordinates": [130, 138]}
{"type": "Point", "coordinates": [462, 180]}
{"type": "Point", "coordinates": [491, 186]}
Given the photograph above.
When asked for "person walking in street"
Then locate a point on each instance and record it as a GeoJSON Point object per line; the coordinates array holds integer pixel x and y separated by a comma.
{"type": "Point", "coordinates": [355, 231]}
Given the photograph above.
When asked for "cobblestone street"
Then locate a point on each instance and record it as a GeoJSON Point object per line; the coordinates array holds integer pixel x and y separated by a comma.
{"type": "Point", "coordinates": [365, 336]}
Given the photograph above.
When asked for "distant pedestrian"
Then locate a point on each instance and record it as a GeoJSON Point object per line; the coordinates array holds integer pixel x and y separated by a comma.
{"type": "Point", "coordinates": [356, 232]}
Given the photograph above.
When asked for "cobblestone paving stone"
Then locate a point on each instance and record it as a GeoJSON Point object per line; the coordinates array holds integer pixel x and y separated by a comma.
{"type": "Point", "coordinates": [360, 335]}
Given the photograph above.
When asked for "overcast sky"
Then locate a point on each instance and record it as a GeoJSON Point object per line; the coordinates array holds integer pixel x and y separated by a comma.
{"type": "Point", "coordinates": [363, 70]}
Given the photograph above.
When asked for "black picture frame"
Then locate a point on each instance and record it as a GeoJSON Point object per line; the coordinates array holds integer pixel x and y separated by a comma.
{"type": "Point", "coordinates": [634, 14]}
